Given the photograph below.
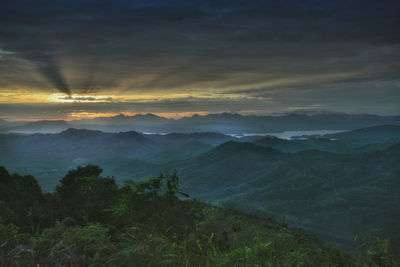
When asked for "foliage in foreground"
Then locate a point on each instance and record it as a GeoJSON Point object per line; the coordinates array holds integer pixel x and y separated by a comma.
{"type": "Point", "coordinates": [90, 221]}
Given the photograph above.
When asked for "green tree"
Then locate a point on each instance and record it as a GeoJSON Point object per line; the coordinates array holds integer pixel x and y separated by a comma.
{"type": "Point", "coordinates": [21, 201]}
{"type": "Point", "coordinates": [84, 195]}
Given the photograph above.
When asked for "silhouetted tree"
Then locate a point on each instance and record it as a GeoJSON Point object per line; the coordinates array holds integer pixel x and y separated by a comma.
{"type": "Point", "coordinates": [84, 195]}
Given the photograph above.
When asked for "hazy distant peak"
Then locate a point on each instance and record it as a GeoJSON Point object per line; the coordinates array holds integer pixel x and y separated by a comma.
{"type": "Point", "coordinates": [225, 114]}
{"type": "Point", "coordinates": [374, 132]}
{"type": "Point", "coordinates": [48, 122]}
{"type": "Point", "coordinates": [136, 115]}
{"type": "Point", "coordinates": [80, 132]}
{"type": "Point", "coordinates": [313, 112]}
{"type": "Point", "coordinates": [148, 115]}
{"type": "Point", "coordinates": [119, 116]}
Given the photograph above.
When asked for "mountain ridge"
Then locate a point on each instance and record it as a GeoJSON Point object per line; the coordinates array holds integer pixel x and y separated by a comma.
{"type": "Point", "coordinates": [226, 123]}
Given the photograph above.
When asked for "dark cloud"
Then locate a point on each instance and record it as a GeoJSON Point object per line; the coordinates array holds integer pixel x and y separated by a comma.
{"type": "Point", "coordinates": [48, 67]}
{"type": "Point", "coordinates": [255, 48]}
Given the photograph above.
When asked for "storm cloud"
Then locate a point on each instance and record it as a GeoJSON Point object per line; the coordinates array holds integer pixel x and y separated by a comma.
{"type": "Point", "coordinates": [290, 53]}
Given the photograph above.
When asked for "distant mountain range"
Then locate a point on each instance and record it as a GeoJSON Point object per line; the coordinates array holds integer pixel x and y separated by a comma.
{"type": "Point", "coordinates": [73, 147]}
{"type": "Point", "coordinates": [356, 141]}
{"type": "Point", "coordinates": [227, 123]}
{"type": "Point", "coordinates": [386, 132]}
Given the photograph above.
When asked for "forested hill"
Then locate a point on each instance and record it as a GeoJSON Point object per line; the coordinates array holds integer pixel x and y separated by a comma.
{"type": "Point", "coordinates": [333, 196]}
{"type": "Point", "coordinates": [90, 221]}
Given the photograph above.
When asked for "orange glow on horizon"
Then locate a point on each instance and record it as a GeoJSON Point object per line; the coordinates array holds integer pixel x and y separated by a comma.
{"type": "Point", "coordinates": [24, 96]}
{"type": "Point", "coordinates": [51, 98]}
{"type": "Point", "coordinates": [169, 115]}
{"type": "Point", "coordinates": [92, 115]}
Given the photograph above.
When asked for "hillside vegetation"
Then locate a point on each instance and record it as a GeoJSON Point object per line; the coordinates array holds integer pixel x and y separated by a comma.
{"type": "Point", "coordinates": [333, 196]}
{"type": "Point", "coordinates": [90, 221]}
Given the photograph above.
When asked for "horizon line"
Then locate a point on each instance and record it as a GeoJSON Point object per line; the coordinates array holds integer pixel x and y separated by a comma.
{"type": "Point", "coordinates": [172, 115]}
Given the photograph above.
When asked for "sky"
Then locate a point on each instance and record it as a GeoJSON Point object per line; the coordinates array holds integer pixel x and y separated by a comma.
{"type": "Point", "coordinates": [68, 59]}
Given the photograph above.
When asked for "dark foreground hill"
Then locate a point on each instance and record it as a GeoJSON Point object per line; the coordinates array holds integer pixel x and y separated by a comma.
{"type": "Point", "coordinates": [90, 221]}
